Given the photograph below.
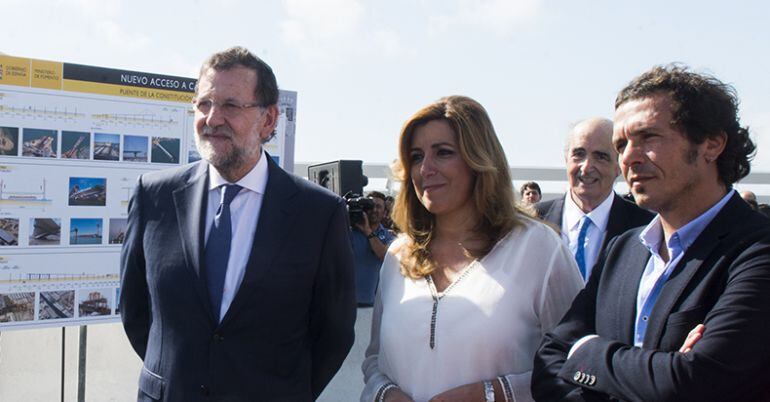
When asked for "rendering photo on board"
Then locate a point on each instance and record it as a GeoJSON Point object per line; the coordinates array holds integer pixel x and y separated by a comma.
{"type": "Point", "coordinates": [106, 147]}
{"type": "Point", "coordinates": [56, 304]}
{"type": "Point", "coordinates": [9, 141]}
{"type": "Point", "coordinates": [165, 150]}
{"type": "Point", "coordinates": [134, 148]}
{"type": "Point", "coordinates": [75, 145]}
{"type": "Point", "coordinates": [117, 301]}
{"type": "Point", "coordinates": [39, 143]}
{"type": "Point", "coordinates": [17, 307]}
{"type": "Point", "coordinates": [88, 191]}
{"type": "Point", "coordinates": [117, 230]}
{"type": "Point", "coordinates": [84, 231]}
{"type": "Point", "coordinates": [45, 232]}
{"type": "Point", "coordinates": [94, 302]}
{"type": "Point", "coordinates": [9, 231]}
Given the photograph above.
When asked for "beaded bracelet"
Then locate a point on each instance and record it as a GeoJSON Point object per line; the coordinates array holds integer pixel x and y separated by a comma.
{"type": "Point", "coordinates": [380, 397]}
{"type": "Point", "coordinates": [506, 387]}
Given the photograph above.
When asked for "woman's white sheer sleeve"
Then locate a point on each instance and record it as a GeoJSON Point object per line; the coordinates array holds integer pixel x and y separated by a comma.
{"type": "Point", "coordinates": [561, 282]}
{"type": "Point", "coordinates": [560, 286]}
{"type": "Point", "coordinates": [374, 379]}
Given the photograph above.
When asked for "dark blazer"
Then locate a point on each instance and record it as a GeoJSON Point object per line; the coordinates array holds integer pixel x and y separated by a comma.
{"type": "Point", "coordinates": [624, 215]}
{"type": "Point", "coordinates": [722, 281]}
{"type": "Point", "coordinates": [290, 324]}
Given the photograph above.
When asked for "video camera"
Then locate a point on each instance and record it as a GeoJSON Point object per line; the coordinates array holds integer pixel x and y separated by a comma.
{"type": "Point", "coordinates": [345, 178]}
{"type": "Point", "coordinates": [357, 207]}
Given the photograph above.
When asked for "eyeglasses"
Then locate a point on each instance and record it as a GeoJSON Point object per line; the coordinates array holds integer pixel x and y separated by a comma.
{"type": "Point", "coordinates": [228, 108]}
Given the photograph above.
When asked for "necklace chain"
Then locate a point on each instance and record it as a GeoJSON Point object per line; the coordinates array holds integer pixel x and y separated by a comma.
{"type": "Point", "coordinates": [438, 296]}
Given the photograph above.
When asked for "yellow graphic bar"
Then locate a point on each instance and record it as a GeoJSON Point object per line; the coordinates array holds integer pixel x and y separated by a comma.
{"type": "Point", "coordinates": [25, 72]}
{"type": "Point", "coordinates": [14, 71]}
{"type": "Point", "coordinates": [127, 91]}
{"type": "Point", "coordinates": [46, 74]}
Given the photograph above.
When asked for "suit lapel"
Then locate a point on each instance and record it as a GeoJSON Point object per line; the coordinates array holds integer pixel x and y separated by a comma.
{"type": "Point", "coordinates": [704, 246]}
{"type": "Point", "coordinates": [634, 263]}
{"type": "Point", "coordinates": [555, 213]}
{"type": "Point", "coordinates": [190, 202]}
{"type": "Point", "coordinates": [273, 226]}
{"type": "Point", "coordinates": [616, 221]}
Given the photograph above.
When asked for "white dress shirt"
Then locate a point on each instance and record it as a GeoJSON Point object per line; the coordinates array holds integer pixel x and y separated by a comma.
{"type": "Point", "coordinates": [489, 322]}
{"type": "Point", "coordinates": [244, 213]}
{"type": "Point", "coordinates": [570, 228]}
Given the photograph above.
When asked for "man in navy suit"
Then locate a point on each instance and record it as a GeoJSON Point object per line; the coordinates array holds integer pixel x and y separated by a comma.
{"type": "Point", "coordinates": [677, 310]}
{"type": "Point", "coordinates": [236, 277]}
{"type": "Point", "coordinates": [590, 213]}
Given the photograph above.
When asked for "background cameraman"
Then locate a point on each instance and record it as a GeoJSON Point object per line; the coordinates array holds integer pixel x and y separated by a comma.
{"type": "Point", "coordinates": [370, 241]}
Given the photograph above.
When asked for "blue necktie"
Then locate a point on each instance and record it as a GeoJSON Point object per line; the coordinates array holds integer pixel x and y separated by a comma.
{"type": "Point", "coordinates": [580, 254]}
{"type": "Point", "coordinates": [218, 247]}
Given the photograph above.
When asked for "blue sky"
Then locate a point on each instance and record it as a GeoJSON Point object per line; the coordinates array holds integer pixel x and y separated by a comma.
{"type": "Point", "coordinates": [361, 68]}
{"type": "Point", "coordinates": [86, 182]}
{"type": "Point", "coordinates": [135, 143]}
{"type": "Point", "coordinates": [86, 225]}
{"type": "Point", "coordinates": [101, 137]}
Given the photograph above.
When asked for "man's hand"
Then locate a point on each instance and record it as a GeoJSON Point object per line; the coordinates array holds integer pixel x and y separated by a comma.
{"type": "Point", "coordinates": [364, 225]}
{"type": "Point", "coordinates": [465, 393]}
{"type": "Point", "coordinates": [692, 338]}
{"type": "Point", "coordinates": [396, 395]}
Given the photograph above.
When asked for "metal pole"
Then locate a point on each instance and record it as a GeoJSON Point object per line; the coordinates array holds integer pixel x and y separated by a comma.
{"type": "Point", "coordinates": [82, 363]}
{"type": "Point", "coordinates": [63, 336]}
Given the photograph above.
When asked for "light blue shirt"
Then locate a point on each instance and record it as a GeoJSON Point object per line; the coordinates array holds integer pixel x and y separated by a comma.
{"type": "Point", "coordinates": [367, 263]}
{"type": "Point", "coordinates": [657, 270]}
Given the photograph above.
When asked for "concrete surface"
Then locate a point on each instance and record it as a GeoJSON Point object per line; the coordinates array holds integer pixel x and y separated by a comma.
{"type": "Point", "coordinates": [30, 365]}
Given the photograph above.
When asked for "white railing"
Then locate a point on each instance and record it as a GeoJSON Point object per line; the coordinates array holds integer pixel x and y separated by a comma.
{"type": "Point", "coordinates": [552, 181]}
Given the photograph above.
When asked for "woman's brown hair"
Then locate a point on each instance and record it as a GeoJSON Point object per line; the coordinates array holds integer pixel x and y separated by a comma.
{"type": "Point", "coordinates": [493, 195]}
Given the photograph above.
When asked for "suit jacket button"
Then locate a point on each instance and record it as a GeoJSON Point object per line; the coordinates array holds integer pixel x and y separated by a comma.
{"type": "Point", "coordinates": [204, 390]}
{"type": "Point", "coordinates": [219, 338]}
{"type": "Point", "coordinates": [592, 380]}
{"type": "Point", "coordinates": [583, 377]}
{"type": "Point", "coordinates": [576, 377]}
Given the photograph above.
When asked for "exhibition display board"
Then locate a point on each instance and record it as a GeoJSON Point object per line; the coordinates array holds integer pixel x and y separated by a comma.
{"type": "Point", "coordinates": [73, 140]}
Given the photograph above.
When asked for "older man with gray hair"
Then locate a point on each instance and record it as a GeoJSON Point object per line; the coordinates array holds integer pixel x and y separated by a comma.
{"type": "Point", "coordinates": [590, 213]}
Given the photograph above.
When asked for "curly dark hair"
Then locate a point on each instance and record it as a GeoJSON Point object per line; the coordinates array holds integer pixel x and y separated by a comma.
{"type": "Point", "coordinates": [704, 107]}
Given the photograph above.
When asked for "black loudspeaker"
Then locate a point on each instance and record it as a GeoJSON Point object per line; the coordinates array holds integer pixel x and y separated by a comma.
{"type": "Point", "coordinates": [340, 177]}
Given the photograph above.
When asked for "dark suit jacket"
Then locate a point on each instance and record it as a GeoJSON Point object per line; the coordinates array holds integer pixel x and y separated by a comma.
{"type": "Point", "coordinates": [624, 215]}
{"type": "Point", "coordinates": [290, 324]}
{"type": "Point", "coordinates": [722, 281]}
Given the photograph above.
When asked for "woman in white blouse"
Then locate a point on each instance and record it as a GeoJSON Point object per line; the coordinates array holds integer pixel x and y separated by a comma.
{"type": "Point", "coordinates": [472, 284]}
